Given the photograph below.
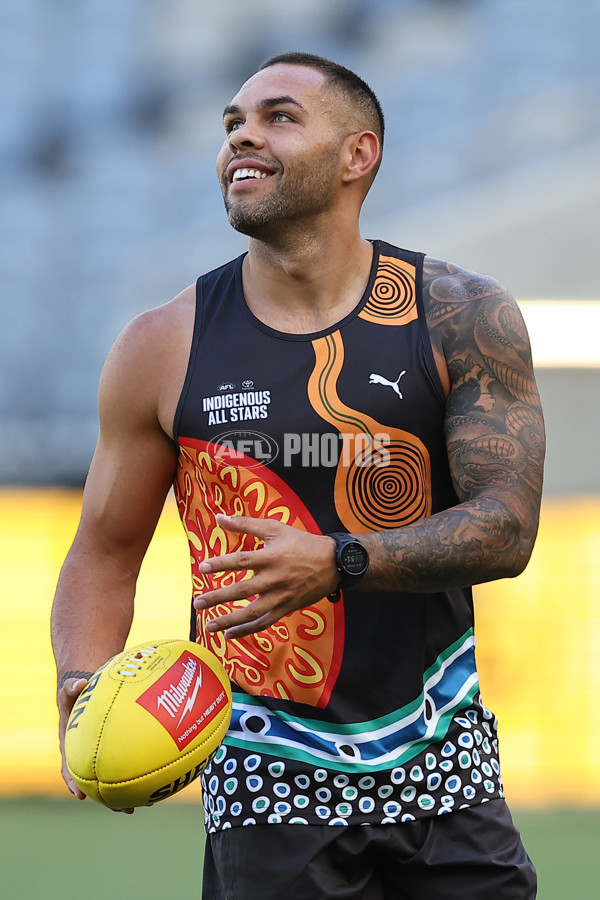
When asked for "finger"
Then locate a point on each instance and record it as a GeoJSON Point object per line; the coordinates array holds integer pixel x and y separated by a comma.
{"type": "Point", "coordinates": [231, 562]}
{"type": "Point", "coordinates": [254, 617]}
{"type": "Point", "coordinates": [263, 528]}
{"type": "Point", "coordinates": [78, 793]}
{"type": "Point", "coordinates": [247, 628]}
{"type": "Point", "coordinates": [247, 589]}
{"type": "Point", "coordinates": [70, 783]}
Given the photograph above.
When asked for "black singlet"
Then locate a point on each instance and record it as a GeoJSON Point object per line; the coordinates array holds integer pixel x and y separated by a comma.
{"type": "Point", "coordinates": [367, 710]}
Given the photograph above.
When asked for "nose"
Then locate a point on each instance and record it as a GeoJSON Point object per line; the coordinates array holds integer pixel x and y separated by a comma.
{"type": "Point", "coordinates": [246, 136]}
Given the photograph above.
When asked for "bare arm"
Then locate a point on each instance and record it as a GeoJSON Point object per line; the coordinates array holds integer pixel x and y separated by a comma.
{"type": "Point", "coordinates": [495, 438]}
{"type": "Point", "coordinates": [131, 473]}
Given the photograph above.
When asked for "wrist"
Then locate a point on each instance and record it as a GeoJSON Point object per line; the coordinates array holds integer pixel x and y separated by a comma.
{"type": "Point", "coordinates": [351, 560]}
{"type": "Point", "coordinates": [73, 673]}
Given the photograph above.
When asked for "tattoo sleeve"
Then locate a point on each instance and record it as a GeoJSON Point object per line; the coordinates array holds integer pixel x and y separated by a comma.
{"type": "Point", "coordinates": [495, 442]}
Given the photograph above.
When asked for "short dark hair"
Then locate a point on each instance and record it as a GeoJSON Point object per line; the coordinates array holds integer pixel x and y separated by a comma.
{"type": "Point", "coordinates": [345, 79]}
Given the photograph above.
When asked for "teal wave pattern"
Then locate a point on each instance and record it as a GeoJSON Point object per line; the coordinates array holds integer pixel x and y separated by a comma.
{"type": "Point", "coordinates": [449, 686]}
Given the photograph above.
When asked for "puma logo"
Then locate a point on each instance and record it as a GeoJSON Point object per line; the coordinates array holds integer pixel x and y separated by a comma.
{"type": "Point", "coordinates": [379, 379]}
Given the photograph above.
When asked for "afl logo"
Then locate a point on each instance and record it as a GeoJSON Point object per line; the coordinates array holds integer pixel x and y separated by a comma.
{"type": "Point", "coordinates": [227, 386]}
{"type": "Point", "coordinates": [248, 448]}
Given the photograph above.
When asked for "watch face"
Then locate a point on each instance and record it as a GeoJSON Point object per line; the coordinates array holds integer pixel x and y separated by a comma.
{"type": "Point", "coordinates": [354, 558]}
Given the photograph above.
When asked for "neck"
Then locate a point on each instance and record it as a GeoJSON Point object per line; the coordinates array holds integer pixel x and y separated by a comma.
{"type": "Point", "coordinates": [307, 282]}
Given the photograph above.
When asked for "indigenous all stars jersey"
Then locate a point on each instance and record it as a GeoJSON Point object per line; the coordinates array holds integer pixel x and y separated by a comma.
{"type": "Point", "coordinates": [367, 710]}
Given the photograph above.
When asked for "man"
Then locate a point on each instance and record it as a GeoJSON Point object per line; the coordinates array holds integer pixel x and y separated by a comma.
{"type": "Point", "coordinates": [355, 437]}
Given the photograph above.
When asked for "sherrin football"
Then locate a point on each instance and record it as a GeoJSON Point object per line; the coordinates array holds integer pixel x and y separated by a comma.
{"type": "Point", "coordinates": [147, 723]}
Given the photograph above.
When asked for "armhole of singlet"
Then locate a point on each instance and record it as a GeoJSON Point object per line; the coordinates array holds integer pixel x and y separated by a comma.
{"type": "Point", "coordinates": [429, 358]}
{"type": "Point", "coordinates": [191, 363]}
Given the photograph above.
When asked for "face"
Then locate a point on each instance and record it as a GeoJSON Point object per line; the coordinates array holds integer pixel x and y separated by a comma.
{"type": "Point", "coordinates": [281, 156]}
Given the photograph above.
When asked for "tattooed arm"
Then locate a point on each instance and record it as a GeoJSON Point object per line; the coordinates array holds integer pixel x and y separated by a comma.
{"type": "Point", "coordinates": [495, 439]}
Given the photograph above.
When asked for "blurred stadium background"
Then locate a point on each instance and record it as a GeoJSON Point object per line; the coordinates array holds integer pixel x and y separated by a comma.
{"type": "Point", "coordinates": [109, 124]}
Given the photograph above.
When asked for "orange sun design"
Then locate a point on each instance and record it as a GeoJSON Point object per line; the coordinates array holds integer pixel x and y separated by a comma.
{"type": "Point", "coordinates": [297, 658]}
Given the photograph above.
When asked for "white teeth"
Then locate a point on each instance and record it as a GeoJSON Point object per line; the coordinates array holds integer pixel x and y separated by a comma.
{"type": "Point", "coordinates": [239, 174]}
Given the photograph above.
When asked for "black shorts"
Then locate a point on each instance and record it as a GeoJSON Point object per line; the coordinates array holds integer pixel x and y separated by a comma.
{"type": "Point", "coordinates": [470, 854]}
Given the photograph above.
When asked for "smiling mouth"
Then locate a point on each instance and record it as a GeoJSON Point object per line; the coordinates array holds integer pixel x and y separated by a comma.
{"type": "Point", "coordinates": [249, 175]}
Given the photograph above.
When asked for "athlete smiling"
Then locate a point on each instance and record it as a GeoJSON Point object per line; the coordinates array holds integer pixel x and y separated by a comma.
{"type": "Point", "coordinates": [334, 586]}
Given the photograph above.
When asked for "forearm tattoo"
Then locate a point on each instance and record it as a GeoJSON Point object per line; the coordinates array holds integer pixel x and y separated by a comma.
{"type": "Point", "coordinates": [495, 440]}
{"type": "Point", "coordinates": [73, 673]}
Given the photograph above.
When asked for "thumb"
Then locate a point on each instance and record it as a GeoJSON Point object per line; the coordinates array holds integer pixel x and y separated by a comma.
{"type": "Point", "coordinates": [74, 686]}
{"type": "Point", "coordinates": [70, 691]}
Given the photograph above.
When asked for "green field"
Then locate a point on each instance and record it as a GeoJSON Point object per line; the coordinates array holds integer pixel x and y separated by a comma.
{"type": "Point", "coordinates": [79, 851]}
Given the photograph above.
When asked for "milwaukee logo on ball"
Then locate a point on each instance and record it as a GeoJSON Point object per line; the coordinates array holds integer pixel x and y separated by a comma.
{"type": "Point", "coordinates": [185, 699]}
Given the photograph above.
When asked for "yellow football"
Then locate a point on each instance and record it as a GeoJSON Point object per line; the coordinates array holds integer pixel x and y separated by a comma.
{"type": "Point", "coordinates": [148, 723]}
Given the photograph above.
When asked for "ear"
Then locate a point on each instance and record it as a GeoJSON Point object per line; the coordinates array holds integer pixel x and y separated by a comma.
{"type": "Point", "coordinates": [361, 155]}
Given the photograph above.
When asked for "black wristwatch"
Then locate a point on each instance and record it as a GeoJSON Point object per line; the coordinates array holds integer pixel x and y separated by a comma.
{"type": "Point", "coordinates": [352, 561]}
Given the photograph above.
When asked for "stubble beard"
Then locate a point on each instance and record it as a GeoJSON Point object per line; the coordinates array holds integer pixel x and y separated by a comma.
{"type": "Point", "coordinates": [297, 198]}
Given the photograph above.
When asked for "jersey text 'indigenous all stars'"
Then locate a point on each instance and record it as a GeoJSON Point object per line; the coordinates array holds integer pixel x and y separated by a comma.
{"type": "Point", "coordinates": [367, 710]}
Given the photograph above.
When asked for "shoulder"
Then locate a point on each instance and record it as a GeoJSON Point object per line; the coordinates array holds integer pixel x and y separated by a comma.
{"type": "Point", "coordinates": [155, 332]}
{"type": "Point", "coordinates": [462, 306]}
{"type": "Point", "coordinates": [149, 356]}
{"type": "Point", "coordinates": [473, 318]}
{"type": "Point", "coordinates": [156, 327]}
{"type": "Point", "coordinates": [446, 283]}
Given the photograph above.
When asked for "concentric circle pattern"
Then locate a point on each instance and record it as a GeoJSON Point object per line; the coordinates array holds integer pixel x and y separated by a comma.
{"type": "Point", "coordinates": [387, 496]}
{"type": "Point", "coordinates": [393, 297]}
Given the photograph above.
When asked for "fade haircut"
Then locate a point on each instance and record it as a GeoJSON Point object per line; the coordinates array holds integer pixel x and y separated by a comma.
{"type": "Point", "coordinates": [350, 84]}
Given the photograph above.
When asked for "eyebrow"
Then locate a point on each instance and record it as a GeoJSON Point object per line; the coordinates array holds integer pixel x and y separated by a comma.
{"type": "Point", "coordinates": [267, 103]}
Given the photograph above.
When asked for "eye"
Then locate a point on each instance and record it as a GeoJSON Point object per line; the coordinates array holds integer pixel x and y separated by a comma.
{"type": "Point", "coordinates": [233, 125]}
{"type": "Point", "coordinates": [282, 117]}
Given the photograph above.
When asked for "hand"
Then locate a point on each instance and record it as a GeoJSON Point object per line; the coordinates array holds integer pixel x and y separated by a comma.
{"type": "Point", "coordinates": [68, 692]}
{"type": "Point", "coordinates": [292, 570]}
